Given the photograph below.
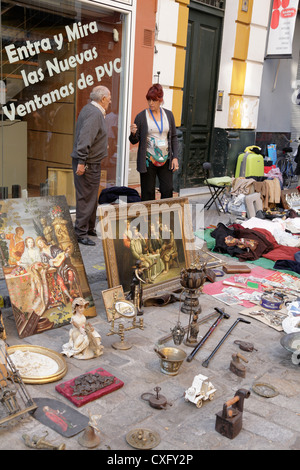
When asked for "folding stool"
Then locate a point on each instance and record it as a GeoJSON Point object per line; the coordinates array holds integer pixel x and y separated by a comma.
{"type": "Point", "coordinates": [216, 186]}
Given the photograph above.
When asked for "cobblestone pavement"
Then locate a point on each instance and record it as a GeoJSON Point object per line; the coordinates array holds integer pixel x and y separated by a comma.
{"type": "Point", "coordinates": [267, 423]}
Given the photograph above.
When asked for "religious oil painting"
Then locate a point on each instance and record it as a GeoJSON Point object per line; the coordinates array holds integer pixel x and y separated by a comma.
{"type": "Point", "coordinates": [42, 263]}
{"type": "Point", "coordinates": [152, 239]}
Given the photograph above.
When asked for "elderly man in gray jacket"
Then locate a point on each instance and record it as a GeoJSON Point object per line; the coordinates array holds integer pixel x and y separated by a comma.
{"type": "Point", "coordinates": [90, 147]}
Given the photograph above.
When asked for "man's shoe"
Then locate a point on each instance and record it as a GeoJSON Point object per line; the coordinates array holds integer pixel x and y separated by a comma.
{"type": "Point", "coordinates": [86, 241]}
{"type": "Point", "coordinates": [92, 232]}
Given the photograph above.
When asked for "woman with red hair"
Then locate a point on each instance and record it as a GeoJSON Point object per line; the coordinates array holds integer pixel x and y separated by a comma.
{"type": "Point", "coordinates": [155, 131]}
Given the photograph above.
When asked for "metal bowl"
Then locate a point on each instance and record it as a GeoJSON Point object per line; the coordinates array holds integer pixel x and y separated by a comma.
{"type": "Point", "coordinates": [291, 342]}
{"type": "Point", "coordinates": [171, 360]}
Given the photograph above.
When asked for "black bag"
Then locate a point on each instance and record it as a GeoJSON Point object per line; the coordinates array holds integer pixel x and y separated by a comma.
{"type": "Point", "coordinates": [109, 195]}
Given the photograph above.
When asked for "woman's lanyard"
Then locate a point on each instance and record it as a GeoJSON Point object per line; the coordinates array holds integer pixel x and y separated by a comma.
{"type": "Point", "coordinates": [161, 121]}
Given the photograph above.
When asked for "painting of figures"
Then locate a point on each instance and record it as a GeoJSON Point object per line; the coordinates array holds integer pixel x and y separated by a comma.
{"type": "Point", "coordinates": [154, 236]}
{"type": "Point", "coordinates": [41, 262]}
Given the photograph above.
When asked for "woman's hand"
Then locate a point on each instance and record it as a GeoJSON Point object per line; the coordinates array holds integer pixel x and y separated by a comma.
{"type": "Point", "coordinates": [133, 129]}
{"type": "Point", "coordinates": [174, 164]}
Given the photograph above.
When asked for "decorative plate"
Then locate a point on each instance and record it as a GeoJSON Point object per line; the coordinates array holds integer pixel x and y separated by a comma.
{"type": "Point", "coordinates": [143, 439]}
{"type": "Point", "coordinates": [36, 364]}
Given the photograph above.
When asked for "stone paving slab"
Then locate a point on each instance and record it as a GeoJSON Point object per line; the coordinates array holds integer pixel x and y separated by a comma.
{"type": "Point", "coordinates": [268, 423]}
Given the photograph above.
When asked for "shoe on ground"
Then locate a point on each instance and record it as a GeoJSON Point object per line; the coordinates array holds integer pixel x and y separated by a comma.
{"type": "Point", "coordinates": [86, 241]}
{"type": "Point", "coordinates": [92, 232]}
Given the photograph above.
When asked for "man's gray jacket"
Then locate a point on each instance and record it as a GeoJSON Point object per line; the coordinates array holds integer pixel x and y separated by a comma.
{"type": "Point", "coordinates": [90, 144]}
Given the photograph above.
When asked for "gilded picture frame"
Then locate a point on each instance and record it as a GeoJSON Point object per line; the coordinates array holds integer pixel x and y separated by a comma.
{"type": "Point", "coordinates": [36, 354]}
{"type": "Point", "coordinates": [165, 225]}
{"type": "Point", "coordinates": [42, 263]}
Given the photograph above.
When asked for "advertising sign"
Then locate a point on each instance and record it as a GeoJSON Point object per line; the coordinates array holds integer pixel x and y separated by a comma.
{"type": "Point", "coordinates": [282, 26]}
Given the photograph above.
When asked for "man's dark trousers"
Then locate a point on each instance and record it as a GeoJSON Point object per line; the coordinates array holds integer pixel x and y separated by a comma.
{"type": "Point", "coordinates": [87, 187]}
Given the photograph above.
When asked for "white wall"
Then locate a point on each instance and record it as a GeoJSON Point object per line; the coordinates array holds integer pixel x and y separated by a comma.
{"type": "Point", "coordinates": [227, 51]}
{"type": "Point", "coordinates": [165, 52]}
{"type": "Point", "coordinates": [254, 62]}
{"type": "Point", "coordinates": [278, 111]}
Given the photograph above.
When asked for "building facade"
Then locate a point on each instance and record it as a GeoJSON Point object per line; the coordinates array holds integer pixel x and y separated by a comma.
{"type": "Point", "coordinates": [211, 57]}
{"type": "Point", "coordinates": [53, 54]}
{"type": "Point", "coordinates": [225, 89]}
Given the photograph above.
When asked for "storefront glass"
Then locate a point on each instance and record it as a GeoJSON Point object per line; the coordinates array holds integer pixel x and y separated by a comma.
{"type": "Point", "coordinates": [52, 54]}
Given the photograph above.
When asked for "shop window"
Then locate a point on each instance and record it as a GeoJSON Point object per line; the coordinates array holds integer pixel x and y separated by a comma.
{"type": "Point", "coordinates": [53, 54]}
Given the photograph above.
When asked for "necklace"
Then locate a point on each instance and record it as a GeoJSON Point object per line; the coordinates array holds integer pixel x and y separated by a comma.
{"type": "Point", "coordinates": [160, 129]}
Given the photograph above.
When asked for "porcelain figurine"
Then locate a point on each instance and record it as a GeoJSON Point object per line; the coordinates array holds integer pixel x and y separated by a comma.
{"type": "Point", "coordinates": [84, 340]}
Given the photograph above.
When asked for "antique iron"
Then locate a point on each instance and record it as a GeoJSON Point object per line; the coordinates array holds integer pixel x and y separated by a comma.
{"type": "Point", "coordinates": [229, 421]}
{"type": "Point", "coordinates": [236, 366]}
{"type": "Point", "coordinates": [245, 346]}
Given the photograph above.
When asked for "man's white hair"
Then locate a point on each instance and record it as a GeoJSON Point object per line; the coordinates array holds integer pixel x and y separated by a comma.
{"type": "Point", "coordinates": [98, 93]}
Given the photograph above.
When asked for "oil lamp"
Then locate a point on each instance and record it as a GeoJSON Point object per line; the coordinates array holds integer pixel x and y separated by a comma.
{"type": "Point", "coordinates": [178, 333]}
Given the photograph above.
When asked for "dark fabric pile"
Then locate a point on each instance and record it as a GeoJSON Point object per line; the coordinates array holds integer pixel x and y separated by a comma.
{"type": "Point", "coordinates": [110, 195]}
{"type": "Point", "coordinates": [267, 247]}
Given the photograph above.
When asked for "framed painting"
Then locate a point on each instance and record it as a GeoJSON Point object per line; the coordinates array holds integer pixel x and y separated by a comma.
{"type": "Point", "coordinates": [2, 328]}
{"type": "Point", "coordinates": [60, 181]}
{"type": "Point", "coordinates": [42, 263]}
{"type": "Point", "coordinates": [110, 296]}
{"type": "Point", "coordinates": [155, 234]}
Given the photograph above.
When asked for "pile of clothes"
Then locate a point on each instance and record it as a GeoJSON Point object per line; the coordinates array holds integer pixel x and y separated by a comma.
{"type": "Point", "coordinates": [269, 189]}
{"type": "Point", "coordinates": [258, 238]}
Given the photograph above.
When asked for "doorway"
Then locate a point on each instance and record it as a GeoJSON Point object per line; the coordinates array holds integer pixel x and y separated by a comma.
{"type": "Point", "coordinates": [200, 89]}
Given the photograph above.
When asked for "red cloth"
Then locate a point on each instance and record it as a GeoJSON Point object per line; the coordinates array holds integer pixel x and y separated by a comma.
{"type": "Point", "coordinates": [282, 253]}
{"type": "Point", "coordinates": [268, 168]}
{"type": "Point", "coordinates": [66, 389]}
{"type": "Point", "coordinates": [263, 247]}
{"type": "Point", "coordinates": [279, 252]}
